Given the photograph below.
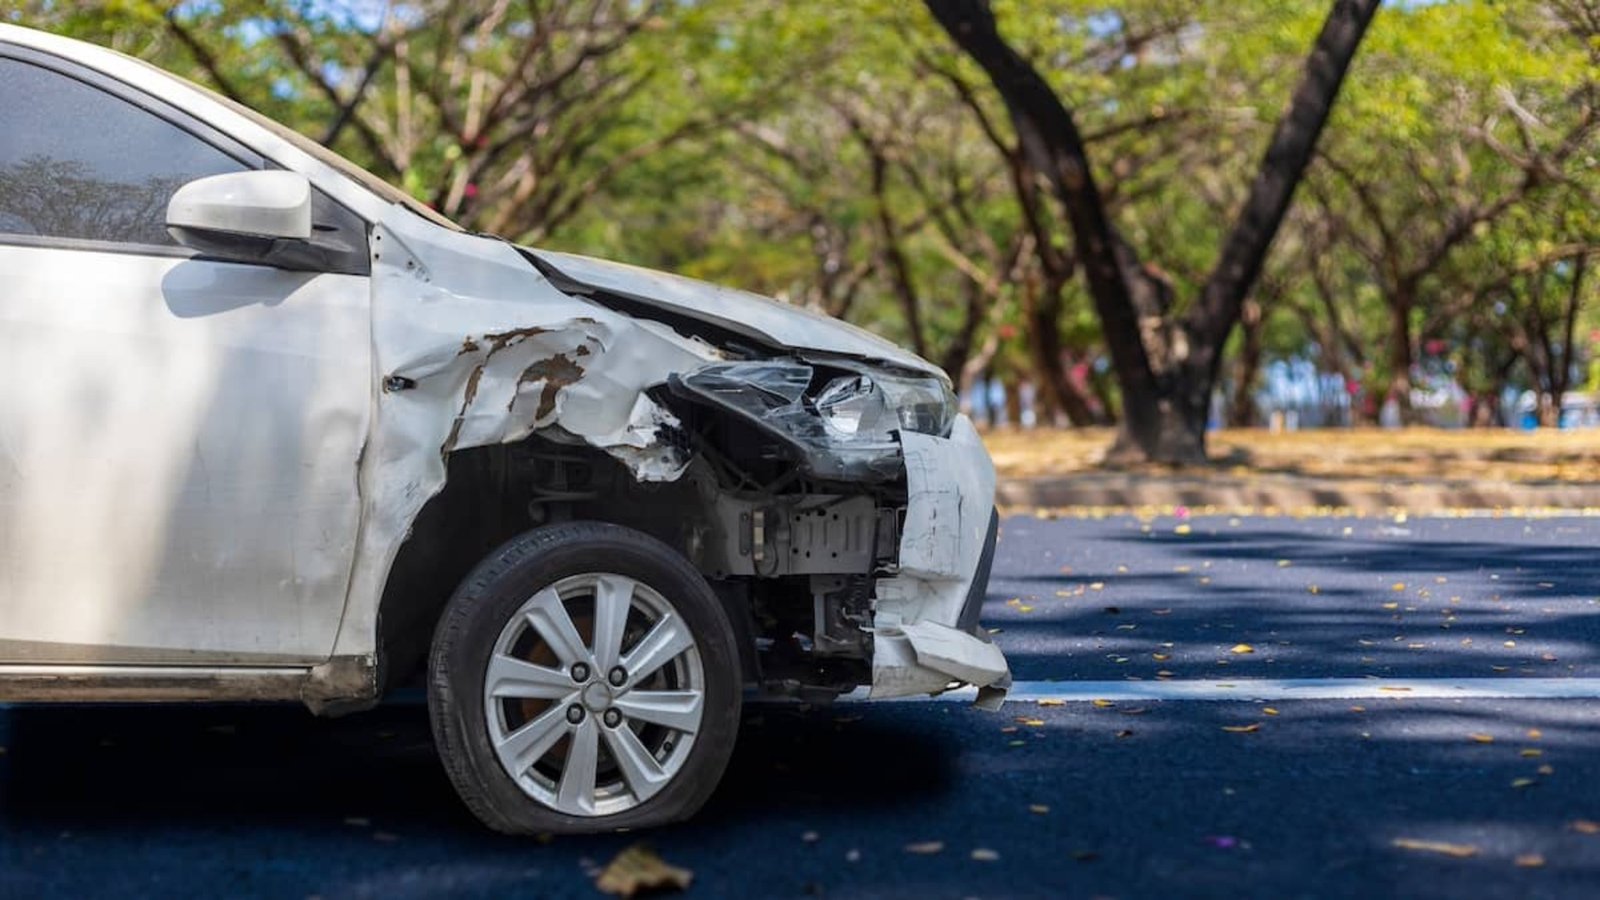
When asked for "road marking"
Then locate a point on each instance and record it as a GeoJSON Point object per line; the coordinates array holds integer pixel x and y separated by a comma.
{"type": "Point", "coordinates": [1233, 689]}
{"type": "Point", "coordinates": [1293, 689]}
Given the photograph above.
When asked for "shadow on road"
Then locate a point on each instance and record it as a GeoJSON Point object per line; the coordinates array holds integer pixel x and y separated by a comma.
{"type": "Point", "coordinates": [91, 767]}
{"type": "Point", "coordinates": [1135, 604]}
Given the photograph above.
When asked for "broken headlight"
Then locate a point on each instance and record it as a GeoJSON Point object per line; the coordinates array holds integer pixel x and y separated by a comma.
{"type": "Point", "coordinates": [872, 406]}
{"type": "Point", "coordinates": [843, 426]}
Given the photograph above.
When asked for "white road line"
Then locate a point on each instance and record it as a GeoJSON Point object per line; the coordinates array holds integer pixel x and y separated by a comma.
{"type": "Point", "coordinates": [1294, 689]}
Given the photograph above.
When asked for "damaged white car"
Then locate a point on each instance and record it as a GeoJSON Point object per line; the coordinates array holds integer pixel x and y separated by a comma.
{"type": "Point", "coordinates": [270, 429]}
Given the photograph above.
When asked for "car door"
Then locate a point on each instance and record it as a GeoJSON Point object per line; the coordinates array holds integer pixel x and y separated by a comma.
{"type": "Point", "coordinates": [178, 436]}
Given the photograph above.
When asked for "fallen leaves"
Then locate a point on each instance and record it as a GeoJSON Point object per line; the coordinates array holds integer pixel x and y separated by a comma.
{"type": "Point", "coordinates": [1102, 704]}
{"type": "Point", "coordinates": [1243, 729]}
{"type": "Point", "coordinates": [1241, 649]}
{"type": "Point", "coordinates": [984, 854]}
{"type": "Point", "coordinates": [1038, 809]}
{"type": "Point", "coordinates": [1480, 738]}
{"type": "Point", "coordinates": [1459, 851]}
{"type": "Point", "coordinates": [638, 869]}
{"type": "Point", "coordinates": [1182, 529]}
{"type": "Point", "coordinates": [1529, 861]}
{"type": "Point", "coordinates": [1470, 454]}
{"type": "Point", "coordinates": [925, 848]}
{"type": "Point", "coordinates": [1585, 826]}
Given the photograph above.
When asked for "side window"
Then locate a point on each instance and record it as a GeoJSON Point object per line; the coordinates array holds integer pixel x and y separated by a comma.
{"type": "Point", "coordinates": [77, 162]}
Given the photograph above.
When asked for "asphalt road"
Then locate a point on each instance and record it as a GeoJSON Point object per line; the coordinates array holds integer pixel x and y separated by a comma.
{"type": "Point", "coordinates": [1131, 799]}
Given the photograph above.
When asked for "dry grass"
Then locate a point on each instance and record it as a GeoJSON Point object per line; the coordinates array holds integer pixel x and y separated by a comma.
{"type": "Point", "coordinates": [1415, 453]}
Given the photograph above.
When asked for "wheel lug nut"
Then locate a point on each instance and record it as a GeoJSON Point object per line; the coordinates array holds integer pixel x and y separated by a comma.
{"type": "Point", "coordinates": [612, 718]}
{"type": "Point", "coordinates": [574, 714]}
{"type": "Point", "coordinates": [618, 677]}
{"type": "Point", "coordinates": [580, 672]}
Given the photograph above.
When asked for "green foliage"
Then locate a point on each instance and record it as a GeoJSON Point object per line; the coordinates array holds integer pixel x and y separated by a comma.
{"type": "Point", "coordinates": [797, 149]}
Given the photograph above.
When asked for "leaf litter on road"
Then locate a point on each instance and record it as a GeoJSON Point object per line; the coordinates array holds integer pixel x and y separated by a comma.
{"type": "Point", "coordinates": [1459, 851]}
{"type": "Point", "coordinates": [637, 869]}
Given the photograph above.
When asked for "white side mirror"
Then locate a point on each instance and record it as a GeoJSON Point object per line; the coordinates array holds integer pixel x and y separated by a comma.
{"type": "Point", "coordinates": [258, 204]}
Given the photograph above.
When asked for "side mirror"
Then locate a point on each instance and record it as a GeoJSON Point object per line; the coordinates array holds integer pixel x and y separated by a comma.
{"type": "Point", "coordinates": [251, 216]}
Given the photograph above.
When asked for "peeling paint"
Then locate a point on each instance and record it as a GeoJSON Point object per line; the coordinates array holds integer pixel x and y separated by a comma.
{"type": "Point", "coordinates": [554, 374]}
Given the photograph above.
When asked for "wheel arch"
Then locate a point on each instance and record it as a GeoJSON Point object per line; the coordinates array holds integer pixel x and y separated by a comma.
{"type": "Point", "coordinates": [491, 495]}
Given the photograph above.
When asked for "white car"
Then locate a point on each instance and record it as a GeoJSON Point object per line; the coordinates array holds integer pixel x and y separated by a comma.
{"type": "Point", "coordinates": [272, 430]}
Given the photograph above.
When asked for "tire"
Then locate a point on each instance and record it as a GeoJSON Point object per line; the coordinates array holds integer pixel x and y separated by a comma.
{"type": "Point", "coordinates": [490, 721]}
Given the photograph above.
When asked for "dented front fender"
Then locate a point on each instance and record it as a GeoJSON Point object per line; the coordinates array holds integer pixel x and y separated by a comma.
{"type": "Point", "coordinates": [474, 347]}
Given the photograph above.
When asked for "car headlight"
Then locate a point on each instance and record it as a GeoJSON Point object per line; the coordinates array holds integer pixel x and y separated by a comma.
{"type": "Point", "coordinates": [872, 406]}
{"type": "Point", "coordinates": [844, 428]}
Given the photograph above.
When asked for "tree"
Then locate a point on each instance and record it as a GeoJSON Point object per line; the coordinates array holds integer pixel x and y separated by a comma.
{"type": "Point", "coordinates": [1166, 365]}
{"type": "Point", "coordinates": [1470, 127]}
{"type": "Point", "coordinates": [509, 117]}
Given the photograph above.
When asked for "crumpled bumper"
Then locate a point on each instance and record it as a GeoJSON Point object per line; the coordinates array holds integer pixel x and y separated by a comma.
{"type": "Point", "coordinates": [926, 634]}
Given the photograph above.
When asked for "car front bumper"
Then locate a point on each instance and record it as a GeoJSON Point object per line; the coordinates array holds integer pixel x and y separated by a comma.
{"type": "Point", "coordinates": [926, 635]}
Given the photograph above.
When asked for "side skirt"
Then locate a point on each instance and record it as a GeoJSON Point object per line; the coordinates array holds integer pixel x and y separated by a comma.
{"type": "Point", "coordinates": [343, 684]}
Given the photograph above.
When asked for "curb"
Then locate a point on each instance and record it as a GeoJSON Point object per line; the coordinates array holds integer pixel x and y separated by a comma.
{"type": "Point", "coordinates": [1284, 492]}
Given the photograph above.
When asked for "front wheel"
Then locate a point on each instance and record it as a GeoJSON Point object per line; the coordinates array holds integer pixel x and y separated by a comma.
{"type": "Point", "coordinates": [584, 678]}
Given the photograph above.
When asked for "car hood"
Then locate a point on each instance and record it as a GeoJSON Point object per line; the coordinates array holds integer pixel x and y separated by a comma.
{"type": "Point", "coordinates": [763, 319]}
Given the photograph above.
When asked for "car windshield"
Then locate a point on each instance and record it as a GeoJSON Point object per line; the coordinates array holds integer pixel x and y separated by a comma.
{"type": "Point", "coordinates": [322, 154]}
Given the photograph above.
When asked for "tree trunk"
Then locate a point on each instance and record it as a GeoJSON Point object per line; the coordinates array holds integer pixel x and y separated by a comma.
{"type": "Point", "coordinates": [1165, 368]}
{"type": "Point", "coordinates": [1242, 408]}
{"type": "Point", "coordinates": [1485, 410]}
{"type": "Point", "coordinates": [900, 282]}
{"type": "Point", "coordinates": [1401, 358]}
{"type": "Point", "coordinates": [1562, 360]}
{"type": "Point", "coordinates": [1042, 311]}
